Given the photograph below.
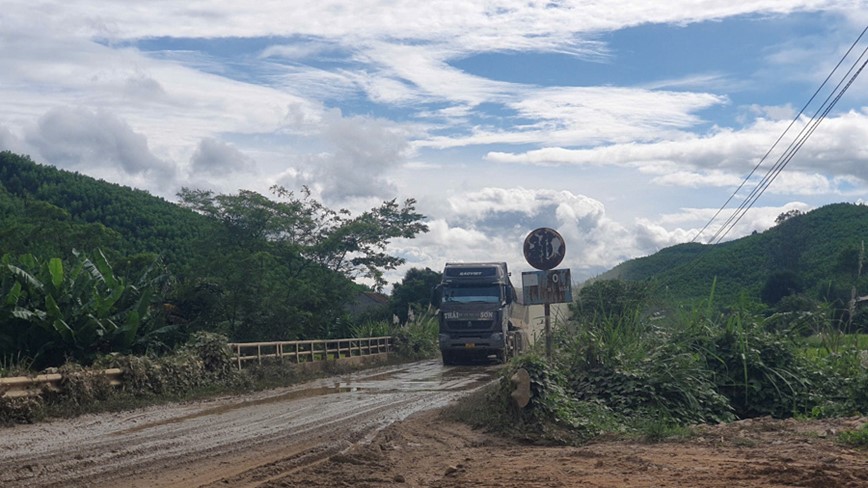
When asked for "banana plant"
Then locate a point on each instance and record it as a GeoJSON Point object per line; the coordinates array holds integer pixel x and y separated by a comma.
{"type": "Point", "coordinates": [55, 311]}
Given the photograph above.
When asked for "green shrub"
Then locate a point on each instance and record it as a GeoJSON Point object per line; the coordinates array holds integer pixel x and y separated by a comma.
{"type": "Point", "coordinates": [640, 368]}
{"type": "Point", "coordinates": [80, 386]}
{"type": "Point", "coordinates": [855, 438]}
{"type": "Point", "coordinates": [418, 339]}
{"type": "Point", "coordinates": [204, 360]}
{"type": "Point", "coordinates": [371, 328]}
{"type": "Point", "coordinates": [25, 410]}
{"type": "Point", "coordinates": [214, 352]}
{"type": "Point", "coordinates": [759, 371]}
{"type": "Point", "coordinates": [553, 413]}
{"type": "Point", "coordinates": [54, 311]}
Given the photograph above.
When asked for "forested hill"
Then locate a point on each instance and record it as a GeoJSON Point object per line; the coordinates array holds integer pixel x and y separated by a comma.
{"type": "Point", "coordinates": [817, 252]}
{"type": "Point", "coordinates": [49, 212]}
{"type": "Point", "coordinates": [250, 266]}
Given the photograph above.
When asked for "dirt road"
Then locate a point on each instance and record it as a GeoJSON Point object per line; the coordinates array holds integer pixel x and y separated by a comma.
{"type": "Point", "coordinates": [382, 428]}
{"type": "Point", "coordinates": [428, 451]}
{"type": "Point", "coordinates": [230, 441]}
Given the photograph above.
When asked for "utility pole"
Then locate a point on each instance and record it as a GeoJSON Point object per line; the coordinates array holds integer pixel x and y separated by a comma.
{"type": "Point", "coordinates": [854, 298]}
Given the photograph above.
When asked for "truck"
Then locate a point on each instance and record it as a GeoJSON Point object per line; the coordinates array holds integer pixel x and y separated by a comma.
{"type": "Point", "coordinates": [474, 302]}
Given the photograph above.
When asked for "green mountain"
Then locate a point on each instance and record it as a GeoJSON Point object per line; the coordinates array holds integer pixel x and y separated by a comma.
{"type": "Point", "coordinates": [820, 249]}
{"type": "Point", "coordinates": [47, 211]}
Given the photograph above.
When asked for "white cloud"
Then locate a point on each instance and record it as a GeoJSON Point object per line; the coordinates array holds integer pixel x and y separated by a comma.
{"type": "Point", "coordinates": [502, 25]}
{"type": "Point", "coordinates": [685, 226]}
{"type": "Point", "coordinates": [10, 141]}
{"type": "Point", "coordinates": [80, 139]}
{"type": "Point", "coordinates": [698, 179]}
{"type": "Point", "coordinates": [216, 158]}
{"type": "Point", "coordinates": [495, 221]}
{"type": "Point", "coordinates": [357, 153]}
{"type": "Point", "coordinates": [611, 114]}
{"type": "Point", "coordinates": [725, 156]}
{"type": "Point", "coordinates": [424, 67]}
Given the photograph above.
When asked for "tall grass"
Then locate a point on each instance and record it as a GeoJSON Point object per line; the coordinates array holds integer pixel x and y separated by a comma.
{"type": "Point", "coordinates": [15, 365]}
{"type": "Point", "coordinates": [380, 328]}
{"type": "Point", "coordinates": [415, 340]}
{"type": "Point", "coordinates": [656, 372]}
{"type": "Point", "coordinates": [637, 366]}
{"type": "Point", "coordinates": [418, 339]}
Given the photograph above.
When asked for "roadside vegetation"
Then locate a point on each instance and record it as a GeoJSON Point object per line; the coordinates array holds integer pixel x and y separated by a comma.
{"type": "Point", "coordinates": [94, 275]}
{"type": "Point", "coordinates": [769, 325]}
{"type": "Point", "coordinates": [90, 268]}
{"type": "Point", "coordinates": [627, 365]}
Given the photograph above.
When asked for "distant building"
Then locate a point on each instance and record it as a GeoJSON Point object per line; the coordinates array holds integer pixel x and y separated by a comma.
{"type": "Point", "coordinates": [369, 302]}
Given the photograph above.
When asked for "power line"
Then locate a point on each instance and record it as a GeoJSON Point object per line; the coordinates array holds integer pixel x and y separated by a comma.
{"type": "Point", "coordinates": [793, 147]}
{"type": "Point", "coordinates": [807, 130]}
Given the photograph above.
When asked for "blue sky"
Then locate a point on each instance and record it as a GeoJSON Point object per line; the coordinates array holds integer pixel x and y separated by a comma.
{"type": "Point", "coordinates": [625, 124]}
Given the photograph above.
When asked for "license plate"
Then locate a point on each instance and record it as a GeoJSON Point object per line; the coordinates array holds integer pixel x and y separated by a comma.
{"type": "Point", "coordinates": [469, 345]}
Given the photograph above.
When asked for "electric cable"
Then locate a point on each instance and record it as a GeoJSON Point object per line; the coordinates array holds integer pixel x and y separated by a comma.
{"type": "Point", "coordinates": [741, 208]}
{"type": "Point", "coordinates": [792, 149]}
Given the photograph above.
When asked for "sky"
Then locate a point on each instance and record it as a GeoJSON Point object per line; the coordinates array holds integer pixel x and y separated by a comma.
{"type": "Point", "coordinates": [624, 125]}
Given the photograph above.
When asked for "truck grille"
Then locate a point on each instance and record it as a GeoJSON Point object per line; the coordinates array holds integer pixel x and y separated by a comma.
{"type": "Point", "coordinates": [462, 325]}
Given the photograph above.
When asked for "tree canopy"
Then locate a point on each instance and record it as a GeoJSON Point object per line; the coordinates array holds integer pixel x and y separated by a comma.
{"type": "Point", "coordinates": [334, 239]}
{"type": "Point", "coordinates": [414, 291]}
{"type": "Point", "coordinates": [250, 266]}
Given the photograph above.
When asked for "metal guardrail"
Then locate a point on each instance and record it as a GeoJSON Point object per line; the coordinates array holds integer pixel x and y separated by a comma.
{"type": "Point", "coordinates": [309, 351]}
{"type": "Point", "coordinates": [26, 386]}
{"type": "Point", "coordinates": [291, 351]}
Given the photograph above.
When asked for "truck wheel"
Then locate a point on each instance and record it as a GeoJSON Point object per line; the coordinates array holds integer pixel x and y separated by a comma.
{"type": "Point", "coordinates": [448, 359]}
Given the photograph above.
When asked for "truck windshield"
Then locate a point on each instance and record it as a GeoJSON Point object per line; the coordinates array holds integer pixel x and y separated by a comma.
{"type": "Point", "coordinates": [468, 294]}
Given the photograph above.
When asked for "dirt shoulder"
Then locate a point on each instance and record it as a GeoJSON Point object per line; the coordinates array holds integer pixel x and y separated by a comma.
{"type": "Point", "coordinates": [428, 450]}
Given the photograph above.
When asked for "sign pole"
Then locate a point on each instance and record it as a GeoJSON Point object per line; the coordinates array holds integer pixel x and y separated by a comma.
{"type": "Point", "coordinates": [547, 307]}
{"type": "Point", "coordinates": [544, 249]}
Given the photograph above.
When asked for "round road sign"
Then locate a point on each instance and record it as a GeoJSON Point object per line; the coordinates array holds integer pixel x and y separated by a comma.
{"type": "Point", "coordinates": [544, 248]}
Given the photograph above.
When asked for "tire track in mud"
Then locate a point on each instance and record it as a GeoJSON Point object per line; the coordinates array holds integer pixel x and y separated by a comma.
{"type": "Point", "coordinates": [232, 441]}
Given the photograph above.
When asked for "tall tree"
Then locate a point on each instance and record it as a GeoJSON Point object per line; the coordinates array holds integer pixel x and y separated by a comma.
{"type": "Point", "coordinates": [286, 264]}
{"type": "Point", "coordinates": [352, 246]}
{"type": "Point", "coordinates": [413, 291]}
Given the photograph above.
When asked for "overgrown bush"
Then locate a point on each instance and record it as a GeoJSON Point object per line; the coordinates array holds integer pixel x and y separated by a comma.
{"type": "Point", "coordinates": [24, 410]}
{"type": "Point", "coordinates": [639, 369]}
{"type": "Point", "coordinates": [371, 328]}
{"type": "Point", "coordinates": [213, 351]}
{"type": "Point", "coordinates": [418, 339]}
{"type": "Point", "coordinates": [655, 373]}
{"type": "Point", "coordinates": [80, 386]}
{"type": "Point", "coordinates": [204, 360]}
{"type": "Point", "coordinates": [557, 413]}
{"type": "Point", "coordinates": [759, 371]}
{"type": "Point", "coordinates": [855, 438]}
{"type": "Point", "coordinates": [551, 416]}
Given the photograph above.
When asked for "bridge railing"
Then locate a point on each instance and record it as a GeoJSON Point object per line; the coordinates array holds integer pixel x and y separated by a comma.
{"type": "Point", "coordinates": [310, 350]}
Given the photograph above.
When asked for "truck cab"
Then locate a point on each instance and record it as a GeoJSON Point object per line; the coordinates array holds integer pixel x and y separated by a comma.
{"type": "Point", "coordinates": [474, 302]}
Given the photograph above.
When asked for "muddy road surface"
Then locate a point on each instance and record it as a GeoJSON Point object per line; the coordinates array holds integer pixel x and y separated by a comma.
{"type": "Point", "coordinates": [248, 441]}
